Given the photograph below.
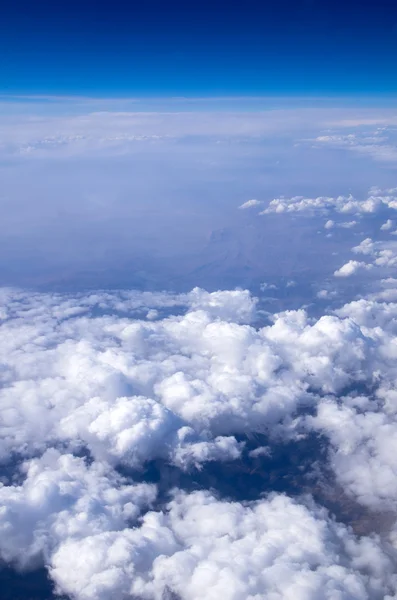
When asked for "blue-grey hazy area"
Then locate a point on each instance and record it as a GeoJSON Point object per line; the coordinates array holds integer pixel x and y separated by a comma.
{"type": "Point", "coordinates": [103, 194]}
{"type": "Point", "coordinates": [198, 308]}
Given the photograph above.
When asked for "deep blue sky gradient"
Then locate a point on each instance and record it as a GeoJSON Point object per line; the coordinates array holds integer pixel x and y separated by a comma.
{"type": "Point", "coordinates": [190, 48]}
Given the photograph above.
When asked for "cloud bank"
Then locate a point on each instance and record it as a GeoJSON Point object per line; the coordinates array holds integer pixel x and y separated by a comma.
{"type": "Point", "coordinates": [376, 200]}
{"type": "Point", "coordinates": [93, 391]}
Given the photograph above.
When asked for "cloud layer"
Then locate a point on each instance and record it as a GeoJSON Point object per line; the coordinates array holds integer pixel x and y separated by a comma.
{"type": "Point", "coordinates": [201, 547]}
{"type": "Point", "coordinates": [376, 201]}
{"type": "Point", "coordinates": [90, 385]}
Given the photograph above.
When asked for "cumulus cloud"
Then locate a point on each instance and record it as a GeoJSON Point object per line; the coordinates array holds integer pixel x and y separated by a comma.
{"type": "Point", "coordinates": [136, 429]}
{"type": "Point", "coordinates": [201, 547]}
{"type": "Point", "coordinates": [298, 204]}
{"type": "Point", "coordinates": [62, 497]}
{"type": "Point", "coordinates": [350, 268]}
{"type": "Point", "coordinates": [376, 200]}
{"type": "Point", "coordinates": [267, 286]}
{"type": "Point", "coordinates": [348, 224]}
{"type": "Point", "coordinates": [323, 294]}
{"type": "Point", "coordinates": [362, 425]}
{"type": "Point", "coordinates": [378, 143]}
{"type": "Point", "coordinates": [364, 442]}
{"type": "Point", "coordinates": [365, 247]}
{"type": "Point", "coordinates": [131, 389]}
{"type": "Point", "coordinates": [382, 255]}
{"type": "Point", "coordinates": [79, 381]}
{"type": "Point", "coordinates": [250, 204]}
{"type": "Point", "coordinates": [387, 225]}
{"type": "Point", "coordinates": [87, 392]}
{"type": "Point", "coordinates": [330, 224]}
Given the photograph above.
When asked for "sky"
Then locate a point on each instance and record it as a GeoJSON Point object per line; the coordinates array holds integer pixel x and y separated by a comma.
{"type": "Point", "coordinates": [198, 301]}
{"type": "Point", "coordinates": [293, 47]}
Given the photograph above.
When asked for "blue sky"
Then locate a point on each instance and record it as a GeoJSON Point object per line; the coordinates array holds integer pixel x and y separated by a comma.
{"type": "Point", "coordinates": [198, 48]}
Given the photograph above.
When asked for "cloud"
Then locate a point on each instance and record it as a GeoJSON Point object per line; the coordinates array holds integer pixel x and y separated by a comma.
{"type": "Point", "coordinates": [378, 142]}
{"type": "Point", "coordinates": [136, 429]}
{"type": "Point", "coordinates": [61, 498]}
{"type": "Point", "coordinates": [79, 129]}
{"type": "Point", "coordinates": [330, 224]}
{"type": "Point", "coordinates": [267, 286]}
{"type": "Point", "coordinates": [88, 375]}
{"type": "Point", "coordinates": [375, 201]}
{"type": "Point", "coordinates": [201, 547]}
{"type": "Point", "coordinates": [35, 127]}
{"type": "Point", "coordinates": [40, 125]}
{"type": "Point", "coordinates": [348, 224]}
{"type": "Point", "coordinates": [323, 294]}
{"type": "Point", "coordinates": [363, 439]}
{"type": "Point", "coordinates": [250, 204]}
{"type": "Point", "coordinates": [350, 268]}
{"type": "Point", "coordinates": [236, 306]}
{"type": "Point", "coordinates": [362, 424]}
{"type": "Point", "coordinates": [387, 225]}
{"type": "Point", "coordinates": [178, 388]}
{"type": "Point", "coordinates": [365, 247]}
{"type": "Point", "coordinates": [383, 255]}
{"type": "Point", "coordinates": [297, 204]}
{"type": "Point", "coordinates": [72, 384]}
{"type": "Point", "coordinates": [131, 390]}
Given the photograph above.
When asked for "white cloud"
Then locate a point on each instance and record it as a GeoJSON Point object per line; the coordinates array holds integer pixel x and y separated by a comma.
{"type": "Point", "coordinates": [375, 201]}
{"type": "Point", "coordinates": [72, 383]}
{"type": "Point", "coordinates": [203, 548]}
{"type": "Point", "coordinates": [237, 306]}
{"type": "Point", "coordinates": [261, 451]}
{"type": "Point", "coordinates": [250, 204]}
{"type": "Point", "coordinates": [323, 294]}
{"type": "Point", "coordinates": [330, 224]}
{"type": "Point", "coordinates": [136, 429]}
{"type": "Point", "coordinates": [348, 224]}
{"type": "Point", "coordinates": [383, 255]}
{"type": "Point", "coordinates": [267, 286]}
{"type": "Point", "coordinates": [378, 143]}
{"type": "Point", "coordinates": [177, 388]}
{"type": "Point", "coordinates": [364, 439]}
{"type": "Point", "coordinates": [387, 225]}
{"type": "Point", "coordinates": [365, 247]}
{"type": "Point", "coordinates": [350, 268]}
{"type": "Point", "coordinates": [62, 498]}
{"type": "Point", "coordinates": [127, 390]}
{"type": "Point", "coordinates": [76, 127]}
{"type": "Point", "coordinates": [297, 204]}
{"type": "Point", "coordinates": [362, 425]}
{"type": "Point", "coordinates": [132, 390]}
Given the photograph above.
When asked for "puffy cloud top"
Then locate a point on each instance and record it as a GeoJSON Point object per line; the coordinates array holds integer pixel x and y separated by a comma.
{"type": "Point", "coordinates": [250, 204]}
{"type": "Point", "coordinates": [203, 548]}
{"type": "Point", "coordinates": [376, 200]}
{"type": "Point", "coordinates": [91, 387]}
